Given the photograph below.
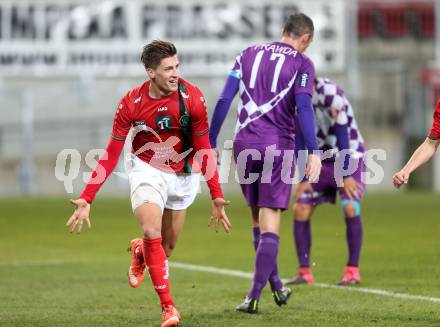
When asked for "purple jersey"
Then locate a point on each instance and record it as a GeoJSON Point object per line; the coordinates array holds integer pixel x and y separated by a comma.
{"type": "Point", "coordinates": [331, 106]}
{"type": "Point", "coordinates": [270, 76]}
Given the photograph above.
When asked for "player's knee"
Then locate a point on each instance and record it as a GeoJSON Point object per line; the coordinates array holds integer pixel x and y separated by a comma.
{"type": "Point", "coordinates": [351, 208]}
{"type": "Point", "coordinates": [151, 232]}
{"type": "Point", "coordinates": [301, 212]}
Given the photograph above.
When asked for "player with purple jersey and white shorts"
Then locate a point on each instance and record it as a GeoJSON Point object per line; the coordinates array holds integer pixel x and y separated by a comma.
{"type": "Point", "coordinates": [272, 80]}
{"type": "Point", "coordinates": [343, 163]}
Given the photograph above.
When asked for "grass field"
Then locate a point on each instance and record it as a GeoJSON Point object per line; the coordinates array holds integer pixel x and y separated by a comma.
{"type": "Point", "coordinates": [49, 277]}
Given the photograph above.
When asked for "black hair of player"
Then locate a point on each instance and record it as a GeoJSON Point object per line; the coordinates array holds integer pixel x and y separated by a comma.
{"type": "Point", "coordinates": [154, 52]}
{"type": "Point", "coordinates": [298, 24]}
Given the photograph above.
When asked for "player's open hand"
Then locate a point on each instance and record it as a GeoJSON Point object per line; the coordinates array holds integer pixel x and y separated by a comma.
{"type": "Point", "coordinates": [313, 168]}
{"type": "Point", "coordinates": [301, 188]}
{"type": "Point", "coordinates": [81, 214]}
{"type": "Point", "coordinates": [400, 178]}
{"type": "Point", "coordinates": [219, 214]}
{"type": "Point", "coordinates": [352, 188]}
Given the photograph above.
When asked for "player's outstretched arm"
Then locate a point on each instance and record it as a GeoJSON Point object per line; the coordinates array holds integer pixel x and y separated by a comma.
{"type": "Point", "coordinates": [81, 214]}
{"type": "Point", "coordinates": [423, 153]}
{"type": "Point", "coordinates": [222, 107]}
{"type": "Point", "coordinates": [104, 168]}
{"type": "Point", "coordinates": [208, 164]}
{"type": "Point", "coordinates": [219, 215]}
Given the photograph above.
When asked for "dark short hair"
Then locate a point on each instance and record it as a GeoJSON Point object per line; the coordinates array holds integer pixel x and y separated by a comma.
{"type": "Point", "coordinates": [296, 25]}
{"type": "Point", "coordinates": [154, 52]}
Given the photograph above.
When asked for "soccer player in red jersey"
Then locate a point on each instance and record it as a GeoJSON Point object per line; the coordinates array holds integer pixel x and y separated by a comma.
{"type": "Point", "coordinates": [170, 146]}
{"type": "Point", "coordinates": [423, 153]}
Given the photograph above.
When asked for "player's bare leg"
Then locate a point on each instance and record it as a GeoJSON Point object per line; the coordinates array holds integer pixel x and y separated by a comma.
{"type": "Point", "coordinates": [269, 220]}
{"type": "Point", "coordinates": [354, 234]}
{"type": "Point", "coordinates": [255, 215]}
{"type": "Point", "coordinates": [302, 214]}
{"type": "Point", "coordinates": [149, 216]}
{"type": "Point", "coordinates": [172, 225]}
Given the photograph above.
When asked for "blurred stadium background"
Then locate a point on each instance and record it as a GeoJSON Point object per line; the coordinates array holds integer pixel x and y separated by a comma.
{"type": "Point", "coordinates": [65, 64]}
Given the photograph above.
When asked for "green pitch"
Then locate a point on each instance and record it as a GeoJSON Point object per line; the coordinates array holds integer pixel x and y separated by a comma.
{"type": "Point", "coordinates": [49, 277]}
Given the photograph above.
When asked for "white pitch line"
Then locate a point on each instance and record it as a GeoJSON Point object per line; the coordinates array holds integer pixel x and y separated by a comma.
{"type": "Point", "coordinates": [381, 292]}
{"type": "Point", "coordinates": [233, 273]}
{"type": "Point", "coordinates": [247, 275]}
{"type": "Point", "coordinates": [214, 270]}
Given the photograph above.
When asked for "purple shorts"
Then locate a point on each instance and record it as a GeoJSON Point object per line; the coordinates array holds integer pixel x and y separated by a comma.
{"type": "Point", "coordinates": [264, 184]}
{"type": "Point", "coordinates": [326, 189]}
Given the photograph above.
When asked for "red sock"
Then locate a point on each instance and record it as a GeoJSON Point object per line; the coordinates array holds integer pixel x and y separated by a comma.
{"type": "Point", "coordinates": [157, 263]}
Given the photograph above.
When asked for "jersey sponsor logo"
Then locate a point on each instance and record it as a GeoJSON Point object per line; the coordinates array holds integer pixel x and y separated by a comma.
{"type": "Point", "coordinates": [137, 100]}
{"type": "Point", "coordinates": [162, 109]}
{"type": "Point", "coordinates": [163, 122]}
{"type": "Point", "coordinates": [304, 79]}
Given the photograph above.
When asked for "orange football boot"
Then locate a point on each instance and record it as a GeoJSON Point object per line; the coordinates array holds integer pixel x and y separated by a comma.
{"type": "Point", "coordinates": [136, 271]}
{"type": "Point", "coordinates": [170, 316]}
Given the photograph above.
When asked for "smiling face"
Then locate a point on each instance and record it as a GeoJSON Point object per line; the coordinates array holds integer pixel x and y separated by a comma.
{"type": "Point", "coordinates": [166, 75]}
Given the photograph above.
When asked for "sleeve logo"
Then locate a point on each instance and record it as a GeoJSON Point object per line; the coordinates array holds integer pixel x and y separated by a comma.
{"type": "Point", "coordinates": [304, 79]}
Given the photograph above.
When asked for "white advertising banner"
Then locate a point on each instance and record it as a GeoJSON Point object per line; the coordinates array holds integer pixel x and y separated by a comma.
{"type": "Point", "coordinates": [49, 37]}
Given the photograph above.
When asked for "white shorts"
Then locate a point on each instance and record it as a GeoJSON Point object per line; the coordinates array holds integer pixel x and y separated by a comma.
{"type": "Point", "coordinates": [151, 185]}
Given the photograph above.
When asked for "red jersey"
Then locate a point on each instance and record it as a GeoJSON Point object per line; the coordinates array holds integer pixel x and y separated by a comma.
{"type": "Point", "coordinates": [434, 133]}
{"type": "Point", "coordinates": [158, 138]}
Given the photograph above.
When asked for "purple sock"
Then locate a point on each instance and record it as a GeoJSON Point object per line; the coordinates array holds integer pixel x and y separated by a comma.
{"type": "Point", "coordinates": [256, 237]}
{"type": "Point", "coordinates": [265, 261]}
{"type": "Point", "coordinates": [354, 235]}
{"type": "Point", "coordinates": [274, 279]}
{"type": "Point", "coordinates": [303, 241]}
